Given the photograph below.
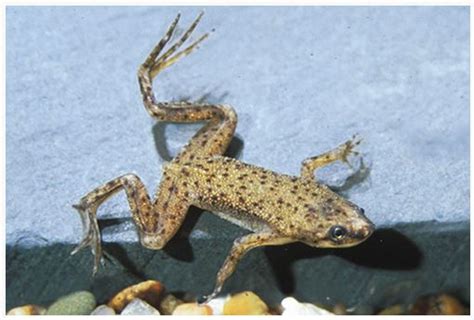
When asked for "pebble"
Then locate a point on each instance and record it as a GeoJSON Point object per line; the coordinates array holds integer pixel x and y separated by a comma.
{"type": "Point", "coordinates": [77, 303]}
{"type": "Point", "coordinates": [103, 310]}
{"type": "Point", "coordinates": [149, 291]}
{"type": "Point", "coordinates": [138, 307]}
{"type": "Point", "coordinates": [392, 310]}
{"type": "Point", "coordinates": [192, 309]}
{"type": "Point", "coordinates": [293, 307]}
{"type": "Point", "coordinates": [245, 303]}
{"type": "Point", "coordinates": [442, 304]}
{"type": "Point", "coordinates": [339, 309]}
{"type": "Point", "coordinates": [361, 309]}
{"type": "Point", "coordinates": [27, 310]}
{"type": "Point", "coordinates": [168, 304]}
{"type": "Point", "coordinates": [276, 310]}
{"type": "Point", "coordinates": [217, 305]}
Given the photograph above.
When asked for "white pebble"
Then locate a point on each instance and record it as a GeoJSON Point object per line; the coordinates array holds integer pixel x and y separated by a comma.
{"type": "Point", "coordinates": [139, 307]}
{"type": "Point", "coordinates": [217, 305]}
{"type": "Point", "coordinates": [293, 307]}
{"type": "Point", "coordinates": [26, 310]}
{"type": "Point", "coordinates": [103, 310]}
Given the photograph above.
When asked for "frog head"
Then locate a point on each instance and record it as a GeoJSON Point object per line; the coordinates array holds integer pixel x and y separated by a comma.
{"type": "Point", "coordinates": [337, 223]}
{"type": "Point", "coordinates": [349, 229]}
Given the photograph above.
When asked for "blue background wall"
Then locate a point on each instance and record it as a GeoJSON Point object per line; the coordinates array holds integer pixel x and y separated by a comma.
{"type": "Point", "coordinates": [302, 80]}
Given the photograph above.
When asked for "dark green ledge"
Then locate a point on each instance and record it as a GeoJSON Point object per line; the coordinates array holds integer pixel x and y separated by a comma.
{"type": "Point", "coordinates": [395, 265]}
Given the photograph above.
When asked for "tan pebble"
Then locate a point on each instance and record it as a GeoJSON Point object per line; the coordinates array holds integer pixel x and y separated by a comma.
{"type": "Point", "coordinates": [448, 305]}
{"type": "Point", "coordinates": [168, 304]}
{"type": "Point", "coordinates": [442, 304]}
{"type": "Point", "coordinates": [360, 310]}
{"type": "Point", "coordinates": [275, 311]}
{"type": "Point", "coordinates": [192, 309]}
{"type": "Point", "coordinates": [245, 303]}
{"type": "Point", "coordinates": [392, 310]}
{"type": "Point", "coordinates": [339, 309]}
{"type": "Point", "coordinates": [148, 291]}
{"type": "Point", "coordinates": [26, 310]}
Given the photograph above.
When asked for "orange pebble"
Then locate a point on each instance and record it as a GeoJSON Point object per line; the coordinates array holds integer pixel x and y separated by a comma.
{"type": "Point", "coordinates": [148, 291]}
{"type": "Point", "coordinates": [245, 303]}
{"type": "Point", "coordinates": [442, 304]}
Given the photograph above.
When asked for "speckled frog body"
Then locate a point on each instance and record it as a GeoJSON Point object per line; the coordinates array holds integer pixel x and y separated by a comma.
{"type": "Point", "coordinates": [277, 208]}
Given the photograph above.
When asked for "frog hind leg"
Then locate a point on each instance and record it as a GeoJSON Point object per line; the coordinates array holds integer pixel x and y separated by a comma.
{"type": "Point", "coordinates": [156, 222]}
{"type": "Point", "coordinates": [215, 136]}
{"type": "Point", "coordinates": [240, 247]}
{"type": "Point", "coordinates": [341, 152]}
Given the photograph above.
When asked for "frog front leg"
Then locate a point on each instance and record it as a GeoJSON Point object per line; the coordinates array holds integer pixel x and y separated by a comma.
{"type": "Point", "coordinates": [240, 247]}
{"type": "Point", "coordinates": [157, 222]}
{"type": "Point", "coordinates": [342, 153]}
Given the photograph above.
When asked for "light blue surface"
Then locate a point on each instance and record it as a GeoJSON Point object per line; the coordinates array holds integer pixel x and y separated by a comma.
{"type": "Point", "coordinates": [301, 79]}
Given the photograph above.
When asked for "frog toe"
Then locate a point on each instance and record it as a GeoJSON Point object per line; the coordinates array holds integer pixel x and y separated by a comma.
{"type": "Point", "coordinates": [91, 236]}
{"type": "Point", "coordinates": [350, 149]}
{"type": "Point", "coordinates": [84, 243]}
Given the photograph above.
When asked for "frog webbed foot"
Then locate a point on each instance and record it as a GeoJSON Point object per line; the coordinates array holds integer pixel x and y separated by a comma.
{"type": "Point", "coordinates": [155, 63]}
{"type": "Point", "coordinates": [91, 235]}
{"type": "Point", "coordinates": [342, 153]}
{"type": "Point", "coordinates": [348, 149]}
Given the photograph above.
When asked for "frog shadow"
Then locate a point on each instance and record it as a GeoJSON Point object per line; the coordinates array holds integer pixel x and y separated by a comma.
{"type": "Point", "coordinates": [386, 249]}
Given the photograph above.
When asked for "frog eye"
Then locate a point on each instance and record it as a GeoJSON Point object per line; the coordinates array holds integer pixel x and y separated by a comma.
{"type": "Point", "coordinates": [337, 233]}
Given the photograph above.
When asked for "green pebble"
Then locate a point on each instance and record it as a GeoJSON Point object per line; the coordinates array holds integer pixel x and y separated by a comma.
{"type": "Point", "coordinates": [80, 302]}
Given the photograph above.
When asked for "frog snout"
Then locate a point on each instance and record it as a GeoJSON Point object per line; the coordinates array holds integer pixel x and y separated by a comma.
{"type": "Point", "coordinates": [364, 231]}
{"type": "Point", "coordinates": [368, 230]}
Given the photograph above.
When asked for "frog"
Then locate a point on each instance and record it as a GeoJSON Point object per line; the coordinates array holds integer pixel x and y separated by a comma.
{"type": "Point", "coordinates": [276, 208]}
